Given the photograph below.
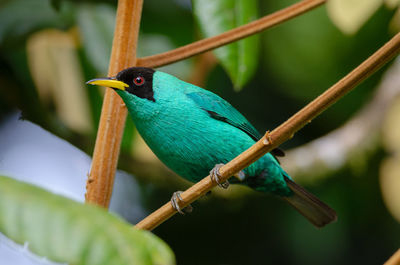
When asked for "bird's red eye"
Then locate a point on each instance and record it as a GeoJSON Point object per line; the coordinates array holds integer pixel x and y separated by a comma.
{"type": "Point", "coordinates": [138, 80]}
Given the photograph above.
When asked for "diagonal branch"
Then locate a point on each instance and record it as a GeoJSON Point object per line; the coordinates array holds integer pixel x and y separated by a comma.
{"type": "Point", "coordinates": [281, 134]}
{"type": "Point", "coordinates": [113, 114]}
{"type": "Point", "coordinates": [229, 36]}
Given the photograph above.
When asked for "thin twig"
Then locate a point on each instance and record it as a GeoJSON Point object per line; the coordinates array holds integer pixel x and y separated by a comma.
{"type": "Point", "coordinates": [394, 259]}
{"type": "Point", "coordinates": [282, 133]}
{"type": "Point", "coordinates": [112, 121]}
{"type": "Point", "coordinates": [229, 36]}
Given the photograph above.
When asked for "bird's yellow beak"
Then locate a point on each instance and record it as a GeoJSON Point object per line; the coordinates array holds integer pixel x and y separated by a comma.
{"type": "Point", "coordinates": [108, 82]}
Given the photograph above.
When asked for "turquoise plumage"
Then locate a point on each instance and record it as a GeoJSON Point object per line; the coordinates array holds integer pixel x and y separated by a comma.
{"type": "Point", "coordinates": [191, 130]}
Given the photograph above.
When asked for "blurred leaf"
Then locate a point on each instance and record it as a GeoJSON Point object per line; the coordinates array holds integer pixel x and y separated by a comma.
{"type": "Point", "coordinates": [96, 26]}
{"type": "Point", "coordinates": [394, 26]}
{"type": "Point", "coordinates": [66, 231]}
{"type": "Point", "coordinates": [214, 17]}
{"type": "Point", "coordinates": [57, 73]}
{"type": "Point", "coordinates": [391, 128]}
{"type": "Point", "coordinates": [19, 17]}
{"type": "Point", "coordinates": [350, 15]}
{"type": "Point", "coordinates": [390, 183]}
{"type": "Point", "coordinates": [392, 3]}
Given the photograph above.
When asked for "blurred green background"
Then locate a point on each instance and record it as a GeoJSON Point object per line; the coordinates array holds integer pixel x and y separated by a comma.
{"type": "Point", "coordinates": [48, 49]}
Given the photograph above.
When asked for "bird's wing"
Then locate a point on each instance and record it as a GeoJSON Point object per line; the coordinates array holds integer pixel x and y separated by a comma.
{"type": "Point", "coordinates": [221, 110]}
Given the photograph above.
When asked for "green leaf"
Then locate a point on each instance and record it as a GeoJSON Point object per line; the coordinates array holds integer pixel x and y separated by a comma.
{"type": "Point", "coordinates": [67, 231]}
{"type": "Point", "coordinates": [214, 17]}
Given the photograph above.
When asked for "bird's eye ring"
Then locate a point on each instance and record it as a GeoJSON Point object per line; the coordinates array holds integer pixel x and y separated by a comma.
{"type": "Point", "coordinates": [138, 80]}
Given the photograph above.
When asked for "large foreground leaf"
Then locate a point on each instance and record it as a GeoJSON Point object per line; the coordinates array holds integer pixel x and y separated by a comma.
{"type": "Point", "coordinates": [214, 17]}
{"type": "Point", "coordinates": [66, 231]}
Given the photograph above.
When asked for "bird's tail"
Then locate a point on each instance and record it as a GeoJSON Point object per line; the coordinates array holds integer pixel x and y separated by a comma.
{"type": "Point", "coordinates": [312, 208]}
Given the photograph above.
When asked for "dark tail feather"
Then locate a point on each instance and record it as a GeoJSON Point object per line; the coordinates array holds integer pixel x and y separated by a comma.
{"type": "Point", "coordinates": [312, 208]}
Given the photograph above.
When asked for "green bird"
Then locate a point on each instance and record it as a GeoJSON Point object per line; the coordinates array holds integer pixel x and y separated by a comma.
{"type": "Point", "coordinates": [193, 131]}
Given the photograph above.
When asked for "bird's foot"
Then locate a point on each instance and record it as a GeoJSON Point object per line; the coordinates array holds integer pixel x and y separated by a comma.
{"type": "Point", "coordinates": [175, 199]}
{"type": "Point", "coordinates": [268, 139]}
{"type": "Point", "coordinates": [215, 176]}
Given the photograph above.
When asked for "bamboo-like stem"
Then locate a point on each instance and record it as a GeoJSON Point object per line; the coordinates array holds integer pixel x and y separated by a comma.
{"type": "Point", "coordinates": [113, 115]}
{"type": "Point", "coordinates": [229, 36]}
{"type": "Point", "coordinates": [282, 133]}
{"type": "Point", "coordinates": [394, 259]}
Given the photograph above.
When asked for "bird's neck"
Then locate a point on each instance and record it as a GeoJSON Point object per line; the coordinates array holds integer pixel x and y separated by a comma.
{"type": "Point", "coordinates": [140, 109]}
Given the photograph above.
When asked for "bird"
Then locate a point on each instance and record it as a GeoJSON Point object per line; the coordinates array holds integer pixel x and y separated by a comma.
{"type": "Point", "coordinates": [194, 132]}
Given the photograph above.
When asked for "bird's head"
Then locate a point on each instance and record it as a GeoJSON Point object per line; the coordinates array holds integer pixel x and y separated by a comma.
{"type": "Point", "coordinates": [134, 81]}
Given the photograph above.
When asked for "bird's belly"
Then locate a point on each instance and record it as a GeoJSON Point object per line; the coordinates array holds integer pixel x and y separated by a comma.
{"type": "Point", "coordinates": [191, 148]}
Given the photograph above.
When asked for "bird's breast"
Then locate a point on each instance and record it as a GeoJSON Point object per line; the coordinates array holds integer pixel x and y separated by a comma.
{"type": "Point", "coordinates": [190, 142]}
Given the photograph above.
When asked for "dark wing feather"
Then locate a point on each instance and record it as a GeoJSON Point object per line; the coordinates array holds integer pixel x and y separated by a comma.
{"type": "Point", "coordinates": [221, 110]}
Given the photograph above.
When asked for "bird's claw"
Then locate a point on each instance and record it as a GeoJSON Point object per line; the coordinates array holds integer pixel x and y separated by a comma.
{"type": "Point", "coordinates": [175, 199]}
{"type": "Point", "coordinates": [215, 176]}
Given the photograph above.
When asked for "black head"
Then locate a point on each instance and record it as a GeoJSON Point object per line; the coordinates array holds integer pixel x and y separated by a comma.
{"type": "Point", "coordinates": [140, 81]}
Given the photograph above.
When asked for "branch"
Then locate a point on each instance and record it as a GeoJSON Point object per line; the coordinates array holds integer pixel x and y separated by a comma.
{"type": "Point", "coordinates": [394, 259]}
{"type": "Point", "coordinates": [357, 136]}
{"type": "Point", "coordinates": [229, 36]}
{"type": "Point", "coordinates": [113, 114]}
{"type": "Point", "coordinates": [281, 134]}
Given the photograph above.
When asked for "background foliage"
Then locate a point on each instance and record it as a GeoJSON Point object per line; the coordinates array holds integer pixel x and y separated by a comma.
{"type": "Point", "coordinates": [48, 49]}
